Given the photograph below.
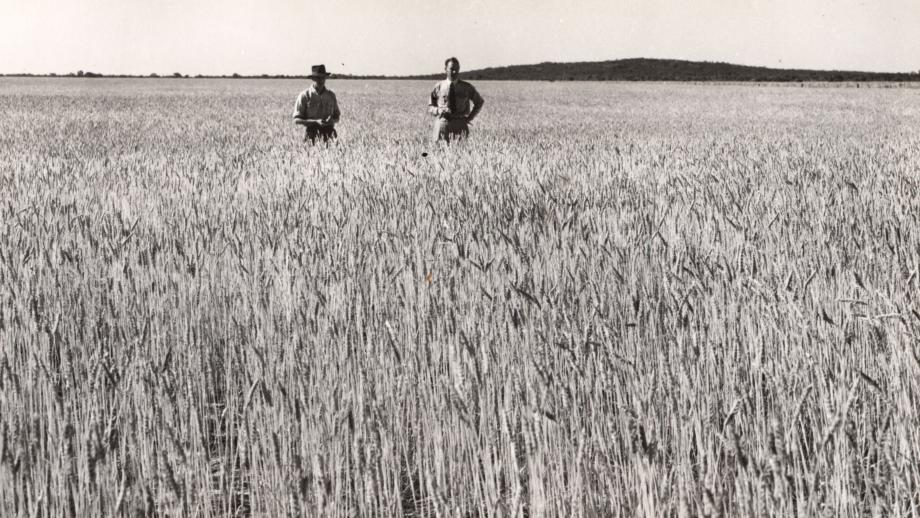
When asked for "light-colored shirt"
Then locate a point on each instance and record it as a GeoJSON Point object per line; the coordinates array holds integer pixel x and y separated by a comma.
{"type": "Point", "coordinates": [464, 94]}
{"type": "Point", "coordinates": [315, 105]}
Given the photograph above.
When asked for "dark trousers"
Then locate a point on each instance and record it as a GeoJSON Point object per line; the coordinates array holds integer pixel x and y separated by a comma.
{"type": "Point", "coordinates": [445, 129]}
{"type": "Point", "coordinates": [324, 132]}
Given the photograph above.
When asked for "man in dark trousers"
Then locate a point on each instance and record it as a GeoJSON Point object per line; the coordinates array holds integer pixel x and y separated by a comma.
{"type": "Point", "coordinates": [316, 108]}
{"type": "Point", "coordinates": [450, 104]}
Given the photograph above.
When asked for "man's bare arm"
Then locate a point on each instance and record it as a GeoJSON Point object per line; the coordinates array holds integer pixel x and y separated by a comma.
{"type": "Point", "coordinates": [299, 121]}
{"type": "Point", "coordinates": [433, 104]}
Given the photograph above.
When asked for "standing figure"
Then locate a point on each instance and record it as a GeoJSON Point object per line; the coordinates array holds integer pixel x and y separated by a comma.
{"type": "Point", "coordinates": [450, 104]}
{"type": "Point", "coordinates": [316, 108]}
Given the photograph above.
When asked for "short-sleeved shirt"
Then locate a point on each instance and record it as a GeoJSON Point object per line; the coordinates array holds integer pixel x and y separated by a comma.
{"type": "Point", "coordinates": [464, 93]}
{"type": "Point", "coordinates": [315, 105]}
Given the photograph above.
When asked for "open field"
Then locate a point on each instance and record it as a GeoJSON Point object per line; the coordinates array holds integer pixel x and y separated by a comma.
{"type": "Point", "coordinates": [616, 299]}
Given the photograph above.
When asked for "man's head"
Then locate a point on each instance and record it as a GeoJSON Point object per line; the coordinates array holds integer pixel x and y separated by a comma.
{"type": "Point", "coordinates": [318, 74]}
{"type": "Point", "coordinates": [452, 68]}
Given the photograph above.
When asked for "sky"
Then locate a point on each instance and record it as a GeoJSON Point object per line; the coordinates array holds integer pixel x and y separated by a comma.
{"type": "Point", "coordinates": [401, 37]}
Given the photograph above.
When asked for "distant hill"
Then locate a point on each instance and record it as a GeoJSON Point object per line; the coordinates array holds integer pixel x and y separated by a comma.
{"type": "Point", "coordinates": [636, 69]}
{"type": "Point", "coordinates": [642, 69]}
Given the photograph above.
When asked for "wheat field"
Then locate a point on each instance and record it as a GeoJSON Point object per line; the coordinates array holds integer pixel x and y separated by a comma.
{"type": "Point", "coordinates": [613, 300]}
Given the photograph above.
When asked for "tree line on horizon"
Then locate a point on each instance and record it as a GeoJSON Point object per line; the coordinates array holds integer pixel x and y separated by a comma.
{"type": "Point", "coordinates": [637, 69]}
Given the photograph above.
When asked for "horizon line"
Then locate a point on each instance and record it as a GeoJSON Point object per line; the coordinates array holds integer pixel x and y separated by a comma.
{"type": "Point", "coordinates": [260, 75]}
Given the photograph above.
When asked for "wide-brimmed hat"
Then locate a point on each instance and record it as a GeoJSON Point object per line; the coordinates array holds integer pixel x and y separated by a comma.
{"type": "Point", "coordinates": [318, 71]}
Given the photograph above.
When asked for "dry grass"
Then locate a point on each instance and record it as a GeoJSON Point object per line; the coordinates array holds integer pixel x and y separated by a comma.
{"type": "Point", "coordinates": [619, 300]}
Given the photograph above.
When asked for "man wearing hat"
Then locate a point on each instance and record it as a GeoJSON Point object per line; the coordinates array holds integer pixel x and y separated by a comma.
{"type": "Point", "coordinates": [316, 108]}
{"type": "Point", "coordinates": [450, 104]}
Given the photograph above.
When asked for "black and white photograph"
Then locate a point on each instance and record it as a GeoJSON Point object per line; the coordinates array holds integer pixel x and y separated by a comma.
{"type": "Point", "coordinates": [420, 258]}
